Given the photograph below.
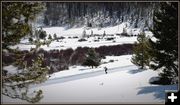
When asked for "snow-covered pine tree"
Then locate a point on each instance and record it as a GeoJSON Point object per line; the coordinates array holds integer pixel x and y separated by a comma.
{"type": "Point", "coordinates": [141, 49]}
{"type": "Point", "coordinates": [17, 85]}
{"type": "Point", "coordinates": [165, 48]}
{"type": "Point", "coordinates": [84, 33]}
{"type": "Point", "coordinates": [15, 25]}
{"type": "Point", "coordinates": [92, 59]}
{"type": "Point", "coordinates": [15, 20]}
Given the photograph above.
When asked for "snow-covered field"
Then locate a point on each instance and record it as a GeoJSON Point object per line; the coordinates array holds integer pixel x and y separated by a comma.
{"type": "Point", "coordinates": [119, 61]}
{"type": "Point", "coordinates": [124, 83]}
{"type": "Point", "coordinates": [73, 43]}
{"type": "Point", "coordinates": [62, 31]}
{"type": "Point", "coordinates": [78, 32]}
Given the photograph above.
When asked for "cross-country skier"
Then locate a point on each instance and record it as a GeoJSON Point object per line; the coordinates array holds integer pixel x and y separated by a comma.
{"type": "Point", "coordinates": [105, 69]}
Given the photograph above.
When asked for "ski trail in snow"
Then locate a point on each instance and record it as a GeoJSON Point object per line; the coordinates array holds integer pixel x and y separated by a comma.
{"type": "Point", "coordinates": [84, 75]}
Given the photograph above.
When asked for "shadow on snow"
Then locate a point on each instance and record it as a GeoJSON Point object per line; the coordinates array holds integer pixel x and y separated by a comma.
{"type": "Point", "coordinates": [158, 90]}
{"type": "Point", "coordinates": [135, 71]}
{"type": "Point", "coordinates": [84, 75]}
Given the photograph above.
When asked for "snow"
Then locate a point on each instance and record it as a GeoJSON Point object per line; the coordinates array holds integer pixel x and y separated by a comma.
{"type": "Point", "coordinates": [23, 47]}
{"type": "Point", "coordinates": [119, 61]}
{"type": "Point", "coordinates": [14, 20]}
{"type": "Point", "coordinates": [149, 34]}
{"type": "Point", "coordinates": [11, 69]}
{"type": "Point", "coordinates": [74, 43]}
{"type": "Point", "coordinates": [62, 31]}
{"type": "Point", "coordinates": [117, 87]}
{"type": "Point", "coordinates": [124, 83]}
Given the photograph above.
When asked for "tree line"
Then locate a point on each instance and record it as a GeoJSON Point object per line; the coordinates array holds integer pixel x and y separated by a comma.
{"type": "Point", "coordinates": [98, 14]}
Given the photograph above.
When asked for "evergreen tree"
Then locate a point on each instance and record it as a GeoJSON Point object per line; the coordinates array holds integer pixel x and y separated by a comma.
{"type": "Point", "coordinates": [92, 59]}
{"type": "Point", "coordinates": [15, 25]}
{"type": "Point", "coordinates": [17, 85]}
{"type": "Point", "coordinates": [30, 40]}
{"type": "Point", "coordinates": [46, 21]}
{"type": "Point", "coordinates": [84, 33]}
{"type": "Point", "coordinates": [104, 34]}
{"type": "Point", "coordinates": [136, 23]}
{"type": "Point", "coordinates": [15, 20]}
{"type": "Point", "coordinates": [42, 34]}
{"type": "Point", "coordinates": [165, 48]}
{"type": "Point", "coordinates": [55, 36]}
{"type": "Point", "coordinates": [91, 32]}
{"type": "Point", "coordinates": [50, 37]}
{"type": "Point", "coordinates": [141, 57]}
{"type": "Point", "coordinates": [124, 33]}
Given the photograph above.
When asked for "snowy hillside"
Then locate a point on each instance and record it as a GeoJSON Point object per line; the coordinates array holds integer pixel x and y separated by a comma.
{"type": "Point", "coordinates": [123, 83]}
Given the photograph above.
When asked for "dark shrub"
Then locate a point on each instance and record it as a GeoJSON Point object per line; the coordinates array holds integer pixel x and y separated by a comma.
{"type": "Point", "coordinates": [96, 40]}
{"type": "Point", "coordinates": [124, 34]}
{"type": "Point", "coordinates": [111, 60]}
{"type": "Point", "coordinates": [81, 40]}
{"type": "Point", "coordinates": [75, 37]}
{"type": "Point", "coordinates": [110, 39]}
{"type": "Point", "coordinates": [30, 40]}
{"type": "Point", "coordinates": [159, 80]}
{"type": "Point", "coordinates": [62, 37]}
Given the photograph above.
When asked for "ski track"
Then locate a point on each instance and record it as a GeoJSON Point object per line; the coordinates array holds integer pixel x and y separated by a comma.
{"type": "Point", "coordinates": [83, 75]}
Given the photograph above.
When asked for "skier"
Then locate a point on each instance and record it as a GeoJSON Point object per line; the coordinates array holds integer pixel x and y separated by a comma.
{"type": "Point", "coordinates": [105, 69]}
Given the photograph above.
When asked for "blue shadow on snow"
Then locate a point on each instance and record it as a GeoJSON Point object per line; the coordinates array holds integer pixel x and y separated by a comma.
{"type": "Point", "coordinates": [158, 90]}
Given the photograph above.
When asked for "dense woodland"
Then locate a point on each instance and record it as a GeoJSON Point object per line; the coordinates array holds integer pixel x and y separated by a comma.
{"type": "Point", "coordinates": [98, 14]}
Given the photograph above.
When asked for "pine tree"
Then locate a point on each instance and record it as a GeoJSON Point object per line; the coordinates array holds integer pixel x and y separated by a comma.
{"type": "Point", "coordinates": [124, 33]}
{"type": "Point", "coordinates": [165, 48]}
{"type": "Point", "coordinates": [124, 30]}
{"type": "Point", "coordinates": [15, 19]}
{"type": "Point", "coordinates": [104, 34]}
{"type": "Point", "coordinates": [46, 21]}
{"type": "Point", "coordinates": [30, 39]}
{"type": "Point", "coordinates": [91, 32]}
{"type": "Point", "coordinates": [136, 23]}
{"type": "Point", "coordinates": [92, 59]}
{"type": "Point", "coordinates": [55, 36]}
{"type": "Point", "coordinates": [141, 56]}
{"type": "Point", "coordinates": [42, 34]}
{"type": "Point", "coordinates": [84, 33]}
{"type": "Point", "coordinates": [18, 84]}
{"type": "Point", "coordinates": [50, 37]}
